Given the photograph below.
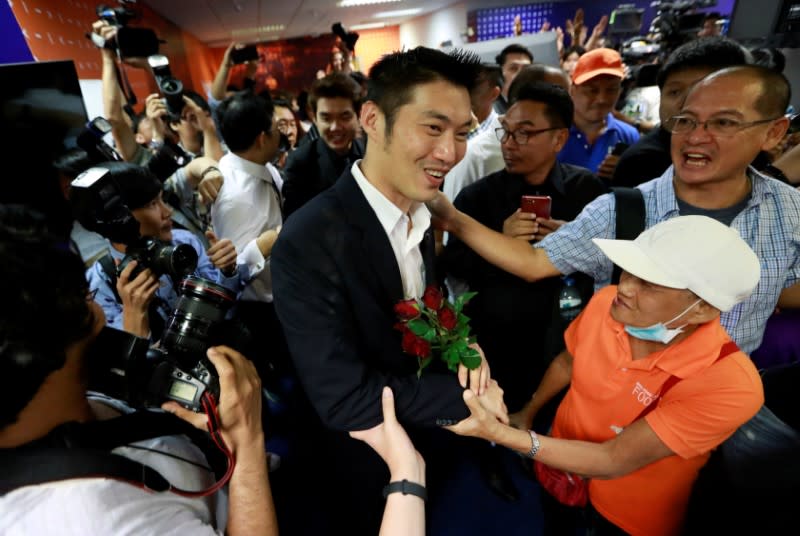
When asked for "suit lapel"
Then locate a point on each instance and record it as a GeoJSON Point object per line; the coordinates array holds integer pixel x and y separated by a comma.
{"type": "Point", "coordinates": [376, 253]}
{"type": "Point", "coordinates": [428, 250]}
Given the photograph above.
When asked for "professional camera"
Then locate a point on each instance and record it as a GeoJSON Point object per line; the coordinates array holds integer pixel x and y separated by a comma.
{"type": "Point", "coordinates": [99, 207]}
{"type": "Point", "coordinates": [123, 366]}
{"type": "Point", "coordinates": [170, 87]}
{"type": "Point", "coordinates": [130, 42]}
{"type": "Point", "coordinates": [348, 38]}
{"type": "Point", "coordinates": [91, 140]}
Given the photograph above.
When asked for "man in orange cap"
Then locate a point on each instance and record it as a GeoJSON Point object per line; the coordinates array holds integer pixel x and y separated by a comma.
{"type": "Point", "coordinates": [596, 86]}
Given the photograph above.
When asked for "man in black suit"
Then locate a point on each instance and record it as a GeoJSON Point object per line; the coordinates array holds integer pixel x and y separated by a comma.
{"type": "Point", "coordinates": [348, 256]}
{"type": "Point", "coordinates": [314, 166]}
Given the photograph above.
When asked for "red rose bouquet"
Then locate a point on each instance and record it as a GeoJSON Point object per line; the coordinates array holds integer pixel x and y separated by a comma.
{"type": "Point", "coordinates": [433, 327]}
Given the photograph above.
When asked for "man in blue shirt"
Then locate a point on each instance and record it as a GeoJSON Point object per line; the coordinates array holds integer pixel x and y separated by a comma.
{"type": "Point", "coordinates": [596, 86]}
{"type": "Point", "coordinates": [727, 118]}
{"type": "Point", "coordinates": [127, 301]}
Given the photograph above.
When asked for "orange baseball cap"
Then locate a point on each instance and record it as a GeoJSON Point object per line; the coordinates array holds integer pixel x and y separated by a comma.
{"type": "Point", "coordinates": [596, 62]}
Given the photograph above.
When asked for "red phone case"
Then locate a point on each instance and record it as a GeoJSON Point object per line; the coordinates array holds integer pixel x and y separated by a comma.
{"type": "Point", "coordinates": [538, 204]}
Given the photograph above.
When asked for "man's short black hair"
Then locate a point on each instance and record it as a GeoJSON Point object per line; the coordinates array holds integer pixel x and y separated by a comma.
{"type": "Point", "coordinates": [769, 57]}
{"type": "Point", "coordinates": [706, 53]}
{"type": "Point", "coordinates": [558, 103]}
{"type": "Point", "coordinates": [137, 185]}
{"type": "Point", "coordinates": [512, 49]}
{"type": "Point", "coordinates": [535, 72]}
{"type": "Point", "coordinates": [335, 85]}
{"type": "Point", "coordinates": [136, 120]}
{"type": "Point", "coordinates": [242, 117]}
{"type": "Point", "coordinates": [776, 91]}
{"type": "Point", "coordinates": [491, 73]}
{"type": "Point", "coordinates": [73, 162]}
{"type": "Point", "coordinates": [198, 99]}
{"type": "Point", "coordinates": [44, 287]}
{"type": "Point", "coordinates": [394, 77]}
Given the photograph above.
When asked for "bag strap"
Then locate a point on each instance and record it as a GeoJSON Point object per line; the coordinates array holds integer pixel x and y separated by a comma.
{"type": "Point", "coordinates": [630, 218]}
{"type": "Point", "coordinates": [727, 349]}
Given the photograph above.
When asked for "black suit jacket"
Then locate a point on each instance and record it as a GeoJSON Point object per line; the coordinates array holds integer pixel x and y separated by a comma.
{"type": "Point", "coordinates": [335, 281]}
{"type": "Point", "coordinates": [311, 169]}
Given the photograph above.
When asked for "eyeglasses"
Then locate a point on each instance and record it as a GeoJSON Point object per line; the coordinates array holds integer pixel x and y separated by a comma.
{"type": "Point", "coordinates": [717, 126]}
{"type": "Point", "coordinates": [521, 137]}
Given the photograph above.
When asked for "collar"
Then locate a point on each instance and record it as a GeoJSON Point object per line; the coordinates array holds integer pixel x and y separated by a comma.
{"type": "Point", "coordinates": [612, 125]}
{"type": "Point", "coordinates": [387, 212]}
{"type": "Point", "coordinates": [251, 168]}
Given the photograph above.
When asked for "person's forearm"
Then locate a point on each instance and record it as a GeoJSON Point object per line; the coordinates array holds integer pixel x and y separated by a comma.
{"type": "Point", "coordinates": [404, 515]}
{"type": "Point", "coordinates": [514, 256]}
{"type": "Point", "coordinates": [212, 148]}
{"type": "Point", "coordinates": [220, 81]}
{"type": "Point", "coordinates": [124, 137]}
{"type": "Point", "coordinates": [136, 323]}
{"type": "Point", "coordinates": [194, 170]}
{"type": "Point", "coordinates": [555, 379]}
{"type": "Point", "coordinates": [251, 510]}
{"type": "Point", "coordinates": [266, 240]}
{"type": "Point", "coordinates": [790, 297]}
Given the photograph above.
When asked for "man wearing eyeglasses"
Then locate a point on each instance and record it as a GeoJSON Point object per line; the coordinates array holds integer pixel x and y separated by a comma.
{"type": "Point", "coordinates": [727, 118]}
{"type": "Point", "coordinates": [507, 313]}
{"type": "Point", "coordinates": [596, 87]}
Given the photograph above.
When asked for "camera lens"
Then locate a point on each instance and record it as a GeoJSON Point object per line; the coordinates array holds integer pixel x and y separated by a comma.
{"type": "Point", "coordinates": [200, 309]}
{"type": "Point", "coordinates": [177, 261]}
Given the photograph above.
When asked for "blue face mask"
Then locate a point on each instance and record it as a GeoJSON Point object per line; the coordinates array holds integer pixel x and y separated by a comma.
{"type": "Point", "coordinates": [659, 332]}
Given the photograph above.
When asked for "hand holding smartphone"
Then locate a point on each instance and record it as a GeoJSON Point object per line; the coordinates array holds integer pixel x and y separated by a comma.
{"type": "Point", "coordinates": [538, 204]}
{"type": "Point", "coordinates": [244, 54]}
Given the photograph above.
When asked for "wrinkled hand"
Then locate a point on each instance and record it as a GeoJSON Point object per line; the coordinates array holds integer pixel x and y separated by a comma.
{"type": "Point", "coordinates": [521, 225]}
{"type": "Point", "coordinates": [607, 166]}
{"type": "Point", "coordinates": [222, 253]}
{"type": "Point", "coordinates": [136, 294]}
{"type": "Point", "coordinates": [442, 210]}
{"type": "Point", "coordinates": [210, 186]}
{"type": "Point", "coordinates": [478, 378]}
{"type": "Point", "coordinates": [393, 445]}
{"type": "Point", "coordinates": [492, 401]}
{"type": "Point", "coordinates": [239, 399]}
{"type": "Point", "coordinates": [547, 226]}
{"type": "Point", "coordinates": [481, 422]}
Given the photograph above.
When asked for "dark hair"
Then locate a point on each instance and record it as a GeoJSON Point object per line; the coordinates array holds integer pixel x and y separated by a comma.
{"type": "Point", "coordinates": [558, 104]}
{"type": "Point", "coordinates": [512, 49]}
{"type": "Point", "coordinates": [137, 185]}
{"type": "Point", "coordinates": [769, 57]}
{"type": "Point", "coordinates": [489, 72]}
{"type": "Point", "coordinates": [536, 72]}
{"type": "Point", "coordinates": [232, 87]}
{"type": "Point", "coordinates": [707, 52]}
{"type": "Point", "coordinates": [335, 85]}
{"type": "Point", "coordinates": [776, 92]}
{"type": "Point", "coordinates": [302, 103]}
{"type": "Point", "coordinates": [197, 99]}
{"type": "Point", "coordinates": [242, 117]}
{"type": "Point", "coordinates": [359, 77]}
{"type": "Point", "coordinates": [45, 289]}
{"type": "Point", "coordinates": [136, 120]}
{"type": "Point", "coordinates": [73, 162]}
{"type": "Point", "coordinates": [579, 50]}
{"type": "Point", "coordinates": [393, 79]}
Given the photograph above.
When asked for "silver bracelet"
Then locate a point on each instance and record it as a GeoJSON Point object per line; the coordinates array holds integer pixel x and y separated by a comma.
{"type": "Point", "coordinates": [535, 445]}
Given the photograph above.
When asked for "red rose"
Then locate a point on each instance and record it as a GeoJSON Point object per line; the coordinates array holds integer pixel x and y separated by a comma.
{"type": "Point", "coordinates": [447, 318]}
{"type": "Point", "coordinates": [433, 298]}
{"type": "Point", "coordinates": [406, 309]}
{"type": "Point", "coordinates": [415, 346]}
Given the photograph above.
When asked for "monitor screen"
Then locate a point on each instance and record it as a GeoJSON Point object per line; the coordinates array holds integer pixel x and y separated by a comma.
{"type": "Point", "coordinates": [42, 113]}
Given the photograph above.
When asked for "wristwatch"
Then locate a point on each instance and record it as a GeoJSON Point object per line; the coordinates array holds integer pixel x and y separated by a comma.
{"type": "Point", "coordinates": [535, 446]}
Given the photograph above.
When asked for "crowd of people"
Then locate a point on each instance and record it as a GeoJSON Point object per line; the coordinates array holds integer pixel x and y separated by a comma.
{"type": "Point", "coordinates": [321, 212]}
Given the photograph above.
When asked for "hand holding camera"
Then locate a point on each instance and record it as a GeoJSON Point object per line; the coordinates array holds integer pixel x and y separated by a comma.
{"type": "Point", "coordinates": [136, 294]}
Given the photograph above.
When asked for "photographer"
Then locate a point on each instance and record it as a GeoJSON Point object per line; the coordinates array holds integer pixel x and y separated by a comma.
{"type": "Point", "coordinates": [139, 304]}
{"type": "Point", "coordinates": [46, 377]}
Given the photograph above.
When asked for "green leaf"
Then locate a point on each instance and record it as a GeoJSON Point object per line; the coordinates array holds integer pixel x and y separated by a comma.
{"type": "Point", "coordinates": [466, 297]}
{"type": "Point", "coordinates": [471, 358]}
{"type": "Point", "coordinates": [418, 327]}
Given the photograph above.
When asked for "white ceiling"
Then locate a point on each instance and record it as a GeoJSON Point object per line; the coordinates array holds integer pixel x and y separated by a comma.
{"type": "Point", "coordinates": [218, 22]}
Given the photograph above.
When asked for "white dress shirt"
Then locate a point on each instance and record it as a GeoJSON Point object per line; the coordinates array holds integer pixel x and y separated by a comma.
{"type": "Point", "coordinates": [483, 157]}
{"type": "Point", "coordinates": [247, 205]}
{"type": "Point", "coordinates": [405, 242]}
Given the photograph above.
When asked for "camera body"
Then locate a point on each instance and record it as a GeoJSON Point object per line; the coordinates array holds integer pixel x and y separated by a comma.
{"type": "Point", "coordinates": [348, 38]}
{"type": "Point", "coordinates": [170, 87]}
{"type": "Point", "coordinates": [123, 366]}
{"type": "Point", "coordinates": [91, 140]}
{"type": "Point", "coordinates": [244, 54]}
{"type": "Point", "coordinates": [130, 42]}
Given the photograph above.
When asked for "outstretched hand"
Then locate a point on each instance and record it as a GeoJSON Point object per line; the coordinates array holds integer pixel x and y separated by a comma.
{"type": "Point", "coordinates": [393, 445]}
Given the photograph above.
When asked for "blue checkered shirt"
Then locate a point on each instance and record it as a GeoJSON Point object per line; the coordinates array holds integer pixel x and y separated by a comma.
{"type": "Point", "coordinates": [770, 224]}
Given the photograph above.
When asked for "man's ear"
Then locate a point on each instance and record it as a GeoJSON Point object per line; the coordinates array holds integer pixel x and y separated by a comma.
{"type": "Point", "coordinates": [703, 312]}
{"type": "Point", "coordinates": [775, 133]}
{"type": "Point", "coordinates": [139, 138]}
{"type": "Point", "coordinates": [495, 92]}
{"type": "Point", "coordinates": [560, 139]}
{"type": "Point", "coordinates": [372, 120]}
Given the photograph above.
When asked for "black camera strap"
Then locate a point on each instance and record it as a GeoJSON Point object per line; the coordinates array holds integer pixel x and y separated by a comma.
{"type": "Point", "coordinates": [83, 450]}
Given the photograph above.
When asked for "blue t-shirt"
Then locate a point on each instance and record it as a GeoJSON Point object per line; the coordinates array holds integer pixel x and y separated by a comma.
{"type": "Point", "coordinates": [578, 152]}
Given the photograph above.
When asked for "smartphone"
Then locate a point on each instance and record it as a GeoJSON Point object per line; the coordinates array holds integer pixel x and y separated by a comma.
{"type": "Point", "coordinates": [538, 204]}
{"type": "Point", "coordinates": [245, 54]}
{"type": "Point", "coordinates": [619, 148]}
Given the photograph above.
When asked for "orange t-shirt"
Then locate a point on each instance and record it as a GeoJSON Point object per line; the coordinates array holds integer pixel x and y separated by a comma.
{"type": "Point", "coordinates": [609, 390]}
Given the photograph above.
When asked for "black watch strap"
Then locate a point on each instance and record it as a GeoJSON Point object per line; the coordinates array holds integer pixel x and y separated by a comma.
{"type": "Point", "coordinates": [406, 488]}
